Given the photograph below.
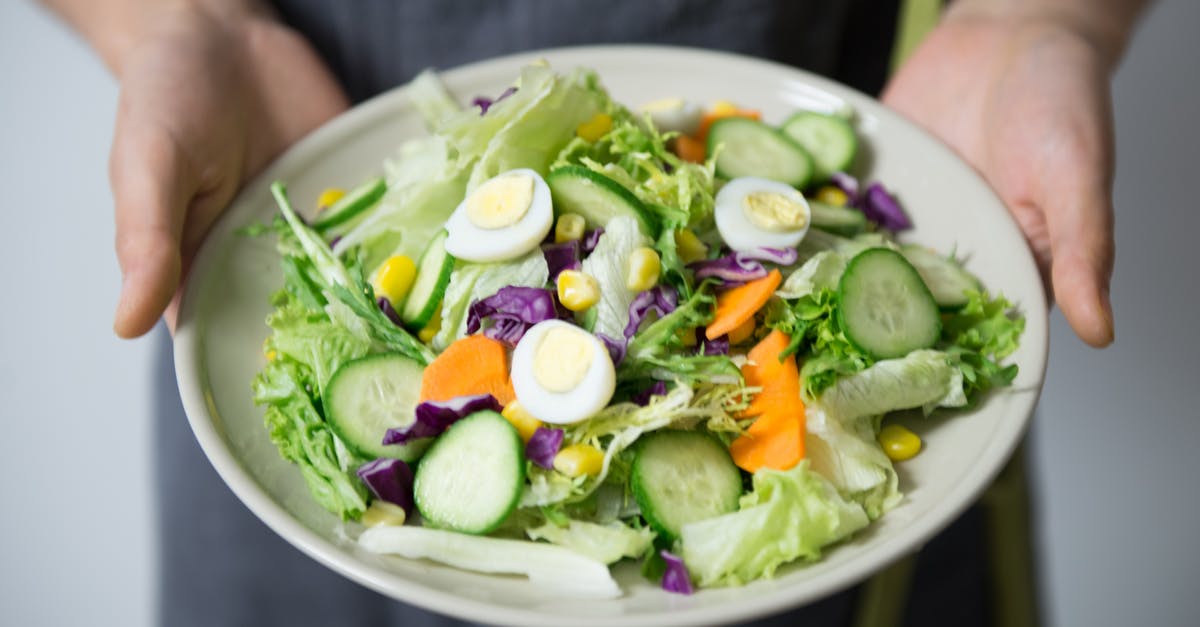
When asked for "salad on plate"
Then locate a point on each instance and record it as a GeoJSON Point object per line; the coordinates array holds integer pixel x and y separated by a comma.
{"type": "Point", "coordinates": [558, 333]}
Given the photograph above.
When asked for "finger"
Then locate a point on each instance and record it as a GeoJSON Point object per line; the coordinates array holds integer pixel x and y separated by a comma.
{"type": "Point", "coordinates": [149, 178]}
{"type": "Point", "coordinates": [1080, 227]}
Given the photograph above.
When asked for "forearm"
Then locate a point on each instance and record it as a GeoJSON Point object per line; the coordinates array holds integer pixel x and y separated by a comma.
{"type": "Point", "coordinates": [1105, 24]}
{"type": "Point", "coordinates": [114, 27]}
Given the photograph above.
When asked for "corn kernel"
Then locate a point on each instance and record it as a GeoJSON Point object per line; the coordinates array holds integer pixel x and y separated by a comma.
{"type": "Point", "coordinates": [579, 459]}
{"type": "Point", "coordinates": [595, 128]}
{"type": "Point", "coordinates": [381, 512]}
{"type": "Point", "coordinates": [570, 227]}
{"type": "Point", "coordinates": [742, 332]}
{"type": "Point", "coordinates": [577, 291]}
{"type": "Point", "coordinates": [329, 197]}
{"type": "Point", "coordinates": [642, 269]}
{"type": "Point", "coordinates": [831, 195]}
{"type": "Point", "coordinates": [395, 278]}
{"type": "Point", "coordinates": [525, 422]}
{"type": "Point", "coordinates": [689, 247]}
{"type": "Point", "coordinates": [432, 327]}
{"type": "Point", "coordinates": [724, 107]}
{"type": "Point", "coordinates": [899, 443]}
{"type": "Point", "coordinates": [687, 337]}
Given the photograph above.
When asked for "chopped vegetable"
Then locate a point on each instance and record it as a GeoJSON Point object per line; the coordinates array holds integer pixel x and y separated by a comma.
{"type": "Point", "coordinates": [776, 437]}
{"type": "Point", "coordinates": [511, 312]}
{"type": "Point", "coordinates": [899, 443]}
{"type": "Point", "coordinates": [543, 445]}
{"type": "Point", "coordinates": [676, 578]}
{"type": "Point", "coordinates": [390, 480]}
{"type": "Point", "coordinates": [434, 417]}
{"type": "Point", "coordinates": [577, 291]}
{"type": "Point", "coordinates": [737, 305]}
{"type": "Point", "coordinates": [472, 365]}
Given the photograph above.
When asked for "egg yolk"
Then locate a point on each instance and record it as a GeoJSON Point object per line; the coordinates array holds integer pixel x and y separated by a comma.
{"type": "Point", "coordinates": [772, 211]}
{"type": "Point", "coordinates": [562, 359]}
{"type": "Point", "coordinates": [500, 202]}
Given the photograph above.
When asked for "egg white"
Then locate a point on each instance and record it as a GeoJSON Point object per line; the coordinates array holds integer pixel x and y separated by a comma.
{"type": "Point", "coordinates": [592, 394]}
{"type": "Point", "coordinates": [735, 226]}
{"type": "Point", "coordinates": [467, 241]}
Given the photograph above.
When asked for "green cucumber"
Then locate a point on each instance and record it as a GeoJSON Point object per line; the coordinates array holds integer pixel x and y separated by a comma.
{"type": "Point", "coordinates": [678, 477]}
{"type": "Point", "coordinates": [576, 189]}
{"type": "Point", "coordinates": [946, 279]}
{"type": "Point", "coordinates": [751, 148]}
{"type": "Point", "coordinates": [844, 221]}
{"type": "Point", "coordinates": [828, 138]}
{"type": "Point", "coordinates": [351, 205]}
{"type": "Point", "coordinates": [368, 396]}
{"type": "Point", "coordinates": [472, 477]}
{"type": "Point", "coordinates": [433, 275]}
{"type": "Point", "coordinates": [884, 306]}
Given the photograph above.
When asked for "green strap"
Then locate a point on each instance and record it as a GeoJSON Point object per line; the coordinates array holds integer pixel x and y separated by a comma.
{"type": "Point", "coordinates": [917, 18]}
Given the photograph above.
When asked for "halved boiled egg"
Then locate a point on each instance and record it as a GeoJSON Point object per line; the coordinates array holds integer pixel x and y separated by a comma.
{"type": "Point", "coordinates": [674, 115]}
{"type": "Point", "coordinates": [752, 212]}
{"type": "Point", "coordinates": [504, 218]}
{"type": "Point", "coordinates": [561, 373]}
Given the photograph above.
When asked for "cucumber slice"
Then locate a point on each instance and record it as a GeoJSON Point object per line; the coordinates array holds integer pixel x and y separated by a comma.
{"type": "Point", "coordinates": [576, 189]}
{"type": "Point", "coordinates": [884, 306]}
{"type": "Point", "coordinates": [828, 138]}
{"type": "Point", "coordinates": [946, 279]}
{"type": "Point", "coordinates": [351, 205]}
{"type": "Point", "coordinates": [433, 275]}
{"type": "Point", "coordinates": [845, 221]}
{"type": "Point", "coordinates": [680, 477]}
{"type": "Point", "coordinates": [471, 478]}
{"type": "Point", "coordinates": [751, 148]}
{"type": "Point", "coordinates": [368, 396]}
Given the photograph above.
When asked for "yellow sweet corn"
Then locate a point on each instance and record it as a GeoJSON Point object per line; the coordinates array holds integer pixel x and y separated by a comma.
{"type": "Point", "coordinates": [520, 418]}
{"type": "Point", "coordinates": [579, 459]}
{"type": "Point", "coordinates": [570, 227]}
{"type": "Point", "coordinates": [595, 128]}
{"type": "Point", "coordinates": [433, 327]}
{"type": "Point", "coordinates": [742, 332]}
{"type": "Point", "coordinates": [383, 513]}
{"type": "Point", "coordinates": [272, 355]}
{"type": "Point", "coordinates": [899, 443]}
{"type": "Point", "coordinates": [329, 197]}
{"type": "Point", "coordinates": [577, 291]}
{"type": "Point", "coordinates": [395, 278]}
{"type": "Point", "coordinates": [724, 107]}
{"type": "Point", "coordinates": [689, 247]}
{"type": "Point", "coordinates": [831, 195]}
{"type": "Point", "coordinates": [642, 269]}
{"type": "Point", "coordinates": [687, 337]}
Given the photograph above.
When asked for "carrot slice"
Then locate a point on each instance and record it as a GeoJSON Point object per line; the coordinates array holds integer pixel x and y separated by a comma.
{"type": "Point", "coordinates": [472, 365]}
{"type": "Point", "coordinates": [776, 437]}
{"type": "Point", "coordinates": [736, 306]}
{"type": "Point", "coordinates": [691, 149]}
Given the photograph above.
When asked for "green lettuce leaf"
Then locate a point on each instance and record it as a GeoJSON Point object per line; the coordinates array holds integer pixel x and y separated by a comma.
{"type": "Point", "coordinates": [657, 352]}
{"type": "Point", "coordinates": [922, 378]}
{"type": "Point", "coordinates": [606, 543]}
{"type": "Point", "coordinates": [474, 281]}
{"type": "Point", "coordinates": [980, 336]}
{"type": "Point", "coordinates": [817, 339]}
{"type": "Point", "coordinates": [789, 515]}
{"type": "Point", "coordinates": [313, 339]}
{"type": "Point", "coordinates": [822, 271]}
{"type": "Point", "coordinates": [608, 264]}
{"type": "Point", "coordinates": [847, 453]}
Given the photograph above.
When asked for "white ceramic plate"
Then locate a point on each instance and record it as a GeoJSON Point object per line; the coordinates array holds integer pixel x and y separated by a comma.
{"type": "Point", "coordinates": [221, 330]}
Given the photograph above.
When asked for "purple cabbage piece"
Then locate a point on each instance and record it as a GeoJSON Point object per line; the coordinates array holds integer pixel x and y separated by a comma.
{"type": "Point", "coordinates": [881, 207]}
{"type": "Point", "coordinates": [848, 184]}
{"type": "Point", "coordinates": [543, 445]}
{"type": "Point", "coordinates": [590, 239]}
{"type": "Point", "coordinates": [559, 257]}
{"type": "Point", "coordinates": [780, 256]}
{"type": "Point", "coordinates": [732, 268]}
{"type": "Point", "coordinates": [512, 311]}
{"type": "Point", "coordinates": [386, 307]}
{"type": "Point", "coordinates": [676, 578]}
{"type": "Point", "coordinates": [616, 348]}
{"type": "Point", "coordinates": [643, 398]}
{"type": "Point", "coordinates": [434, 417]}
{"type": "Point", "coordinates": [390, 480]}
{"type": "Point", "coordinates": [484, 103]}
{"type": "Point", "coordinates": [660, 299]}
{"type": "Point", "coordinates": [719, 346]}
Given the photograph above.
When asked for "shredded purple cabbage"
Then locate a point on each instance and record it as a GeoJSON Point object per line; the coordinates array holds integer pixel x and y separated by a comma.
{"type": "Point", "coordinates": [543, 446]}
{"type": "Point", "coordinates": [559, 257]}
{"type": "Point", "coordinates": [881, 207]}
{"type": "Point", "coordinates": [386, 307]}
{"type": "Point", "coordinates": [484, 103]}
{"type": "Point", "coordinates": [512, 311]}
{"type": "Point", "coordinates": [590, 239]}
{"type": "Point", "coordinates": [434, 417]}
{"type": "Point", "coordinates": [719, 346]}
{"type": "Point", "coordinates": [390, 480]}
{"type": "Point", "coordinates": [616, 348]}
{"type": "Point", "coordinates": [643, 398]}
{"type": "Point", "coordinates": [741, 266]}
{"type": "Point", "coordinates": [848, 184]}
{"type": "Point", "coordinates": [660, 299]}
{"type": "Point", "coordinates": [780, 256]}
{"type": "Point", "coordinates": [676, 578]}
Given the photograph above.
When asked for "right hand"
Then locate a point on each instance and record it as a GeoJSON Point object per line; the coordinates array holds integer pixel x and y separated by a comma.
{"type": "Point", "coordinates": [206, 102]}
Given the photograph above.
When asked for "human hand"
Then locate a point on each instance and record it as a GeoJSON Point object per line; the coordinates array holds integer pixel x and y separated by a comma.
{"type": "Point", "coordinates": [1026, 102]}
{"type": "Point", "coordinates": [207, 99]}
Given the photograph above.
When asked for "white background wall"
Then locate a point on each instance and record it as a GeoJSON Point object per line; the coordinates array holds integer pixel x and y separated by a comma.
{"type": "Point", "coordinates": [1115, 444]}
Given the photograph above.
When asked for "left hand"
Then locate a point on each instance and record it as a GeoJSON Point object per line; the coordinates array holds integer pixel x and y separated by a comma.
{"type": "Point", "coordinates": [1026, 102]}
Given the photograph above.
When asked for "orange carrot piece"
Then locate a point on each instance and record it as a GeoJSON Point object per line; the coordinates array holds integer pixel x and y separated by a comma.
{"type": "Point", "coordinates": [472, 365]}
{"type": "Point", "coordinates": [776, 437]}
{"type": "Point", "coordinates": [712, 116]}
{"type": "Point", "coordinates": [736, 306]}
{"type": "Point", "coordinates": [690, 149]}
